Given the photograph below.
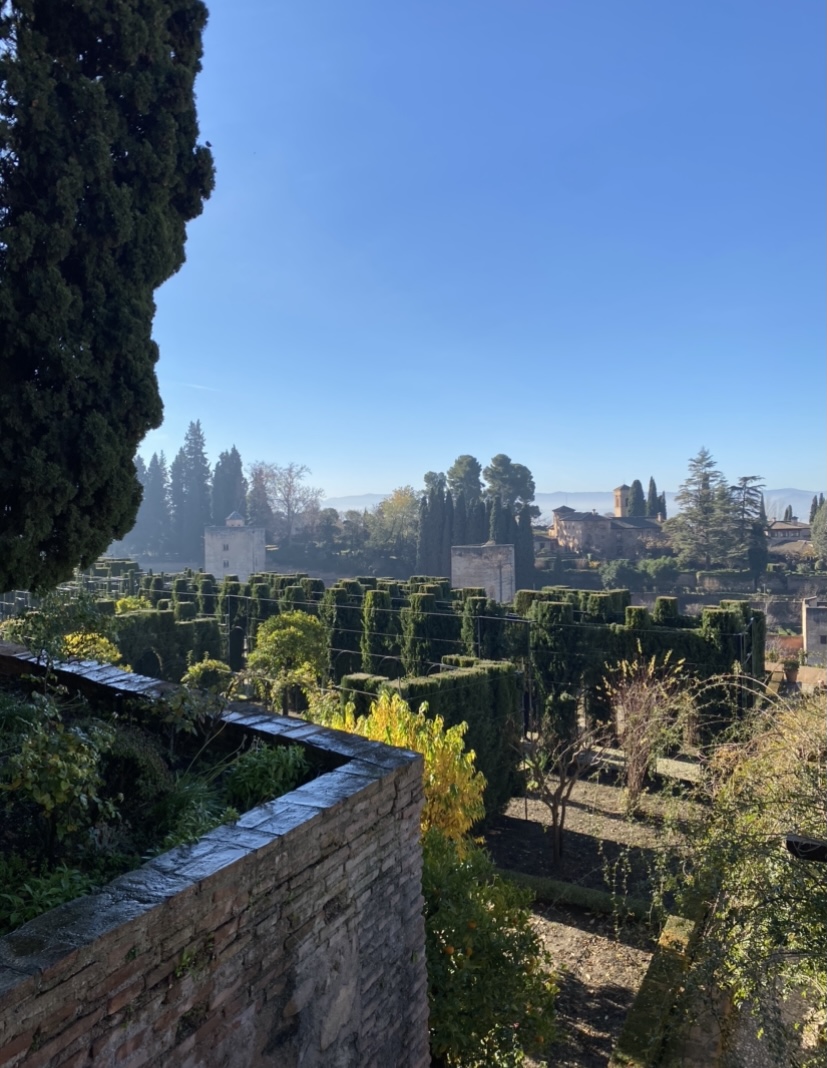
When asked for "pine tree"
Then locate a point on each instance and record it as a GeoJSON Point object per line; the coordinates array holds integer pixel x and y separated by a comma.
{"type": "Point", "coordinates": [197, 492]}
{"type": "Point", "coordinates": [652, 500]}
{"type": "Point", "coordinates": [463, 476]}
{"type": "Point", "coordinates": [152, 530]}
{"type": "Point", "coordinates": [702, 532]}
{"type": "Point", "coordinates": [178, 504]}
{"type": "Point", "coordinates": [229, 487]}
{"type": "Point", "coordinates": [259, 512]}
{"type": "Point", "coordinates": [99, 173]}
{"type": "Point", "coordinates": [636, 505]}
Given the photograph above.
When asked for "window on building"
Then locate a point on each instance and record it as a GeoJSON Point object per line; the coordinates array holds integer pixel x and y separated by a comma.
{"type": "Point", "coordinates": [226, 565]}
{"type": "Point", "coordinates": [823, 639]}
{"type": "Point", "coordinates": [226, 548]}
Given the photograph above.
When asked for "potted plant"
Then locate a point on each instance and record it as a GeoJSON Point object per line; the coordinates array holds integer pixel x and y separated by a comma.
{"type": "Point", "coordinates": [791, 669]}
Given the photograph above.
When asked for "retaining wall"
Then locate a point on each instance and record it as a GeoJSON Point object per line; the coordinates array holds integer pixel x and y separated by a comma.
{"type": "Point", "coordinates": [292, 937]}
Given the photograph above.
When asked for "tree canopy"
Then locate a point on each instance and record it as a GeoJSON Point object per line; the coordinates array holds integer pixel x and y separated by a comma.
{"type": "Point", "coordinates": [509, 481]}
{"type": "Point", "coordinates": [100, 171]}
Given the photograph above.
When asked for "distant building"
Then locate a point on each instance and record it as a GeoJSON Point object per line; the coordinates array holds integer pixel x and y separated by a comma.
{"type": "Point", "coordinates": [611, 537]}
{"type": "Point", "coordinates": [234, 549]}
{"type": "Point", "coordinates": [489, 566]}
{"type": "Point", "coordinates": [814, 630]}
{"type": "Point", "coordinates": [779, 530]}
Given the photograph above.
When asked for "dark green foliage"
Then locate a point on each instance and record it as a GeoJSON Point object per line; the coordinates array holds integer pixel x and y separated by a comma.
{"type": "Point", "coordinates": [229, 487]}
{"type": "Point", "coordinates": [361, 689]}
{"type": "Point", "coordinates": [100, 172]}
{"type": "Point", "coordinates": [509, 481]}
{"type": "Point", "coordinates": [524, 599]}
{"type": "Point", "coordinates": [185, 610]}
{"type": "Point", "coordinates": [483, 634]}
{"type": "Point", "coordinates": [637, 617]}
{"type": "Point", "coordinates": [207, 599]}
{"type": "Point", "coordinates": [636, 502]}
{"type": "Point", "coordinates": [154, 644]}
{"type": "Point", "coordinates": [151, 532]}
{"type": "Point", "coordinates": [621, 572]}
{"type": "Point", "coordinates": [417, 629]}
{"type": "Point", "coordinates": [652, 500]}
{"type": "Point", "coordinates": [263, 773]}
{"type": "Point", "coordinates": [788, 514]}
{"type": "Point", "coordinates": [556, 649]}
{"type": "Point", "coordinates": [524, 550]}
{"type": "Point", "coordinates": [381, 647]}
{"type": "Point", "coordinates": [460, 533]}
{"type": "Point", "coordinates": [486, 697]}
{"type": "Point", "coordinates": [446, 536]}
{"type": "Point", "coordinates": [666, 611]}
{"type": "Point", "coordinates": [463, 477]}
{"type": "Point", "coordinates": [341, 614]}
{"type": "Point", "coordinates": [294, 599]}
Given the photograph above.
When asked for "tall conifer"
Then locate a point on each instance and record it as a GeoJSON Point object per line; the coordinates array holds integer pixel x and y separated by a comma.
{"type": "Point", "coordinates": [99, 172]}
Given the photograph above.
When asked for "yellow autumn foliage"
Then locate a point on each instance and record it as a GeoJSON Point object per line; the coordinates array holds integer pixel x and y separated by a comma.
{"type": "Point", "coordinates": [453, 786]}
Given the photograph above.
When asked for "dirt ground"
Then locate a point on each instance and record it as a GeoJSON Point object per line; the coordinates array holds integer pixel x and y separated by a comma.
{"type": "Point", "coordinates": [601, 964]}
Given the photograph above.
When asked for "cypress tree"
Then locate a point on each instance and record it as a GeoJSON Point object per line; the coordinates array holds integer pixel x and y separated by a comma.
{"type": "Point", "coordinates": [447, 539]}
{"type": "Point", "coordinates": [662, 505]}
{"type": "Point", "coordinates": [423, 532]}
{"type": "Point", "coordinates": [814, 507]}
{"type": "Point", "coordinates": [229, 487]}
{"type": "Point", "coordinates": [460, 520]}
{"type": "Point", "coordinates": [652, 500]}
{"type": "Point", "coordinates": [99, 173]}
{"type": "Point", "coordinates": [524, 550]}
{"type": "Point", "coordinates": [495, 520]}
{"type": "Point", "coordinates": [636, 505]}
{"type": "Point", "coordinates": [788, 514]}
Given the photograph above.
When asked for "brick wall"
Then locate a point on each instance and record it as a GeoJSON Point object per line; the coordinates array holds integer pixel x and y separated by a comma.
{"type": "Point", "coordinates": [294, 937]}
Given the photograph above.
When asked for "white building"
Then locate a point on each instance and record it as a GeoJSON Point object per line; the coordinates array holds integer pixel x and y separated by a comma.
{"type": "Point", "coordinates": [234, 549]}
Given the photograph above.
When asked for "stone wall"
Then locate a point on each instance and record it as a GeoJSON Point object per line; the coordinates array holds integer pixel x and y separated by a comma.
{"type": "Point", "coordinates": [293, 937]}
{"type": "Point", "coordinates": [488, 566]}
{"type": "Point", "coordinates": [814, 630]}
{"type": "Point", "coordinates": [234, 551]}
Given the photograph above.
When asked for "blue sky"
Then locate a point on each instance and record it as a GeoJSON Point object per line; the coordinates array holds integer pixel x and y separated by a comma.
{"type": "Point", "coordinates": [586, 233]}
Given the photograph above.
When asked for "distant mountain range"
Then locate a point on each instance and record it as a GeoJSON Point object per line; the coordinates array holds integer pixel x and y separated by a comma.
{"type": "Point", "coordinates": [775, 501]}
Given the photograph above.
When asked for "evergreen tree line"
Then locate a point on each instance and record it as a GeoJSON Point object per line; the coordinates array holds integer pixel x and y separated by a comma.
{"type": "Point", "coordinates": [183, 497]}
{"type": "Point", "coordinates": [407, 531]}
{"type": "Point", "coordinates": [719, 525]}
{"type": "Point", "coordinates": [653, 505]}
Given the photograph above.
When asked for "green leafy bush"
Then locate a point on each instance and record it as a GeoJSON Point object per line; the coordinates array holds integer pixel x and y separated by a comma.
{"type": "Point", "coordinates": [263, 773]}
{"type": "Point", "coordinates": [25, 894]}
{"type": "Point", "coordinates": [489, 984]}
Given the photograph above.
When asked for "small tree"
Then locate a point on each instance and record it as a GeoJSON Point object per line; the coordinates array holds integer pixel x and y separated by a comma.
{"type": "Point", "coordinates": [290, 653]}
{"type": "Point", "coordinates": [554, 760]}
{"type": "Point", "coordinates": [650, 701]}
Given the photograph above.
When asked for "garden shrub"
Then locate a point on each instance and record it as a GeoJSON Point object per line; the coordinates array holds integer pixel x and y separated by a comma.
{"type": "Point", "coordinates": [265, 772]}
{"type": "Point", "coordinates": [490, 990]}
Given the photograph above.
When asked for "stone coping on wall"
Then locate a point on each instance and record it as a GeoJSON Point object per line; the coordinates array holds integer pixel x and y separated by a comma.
{"type": "Point", "coordinates": [358, 823]}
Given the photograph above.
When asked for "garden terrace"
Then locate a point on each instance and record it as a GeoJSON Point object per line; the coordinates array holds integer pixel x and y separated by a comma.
{"type": "Point", "coordinates": [268, 941]}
